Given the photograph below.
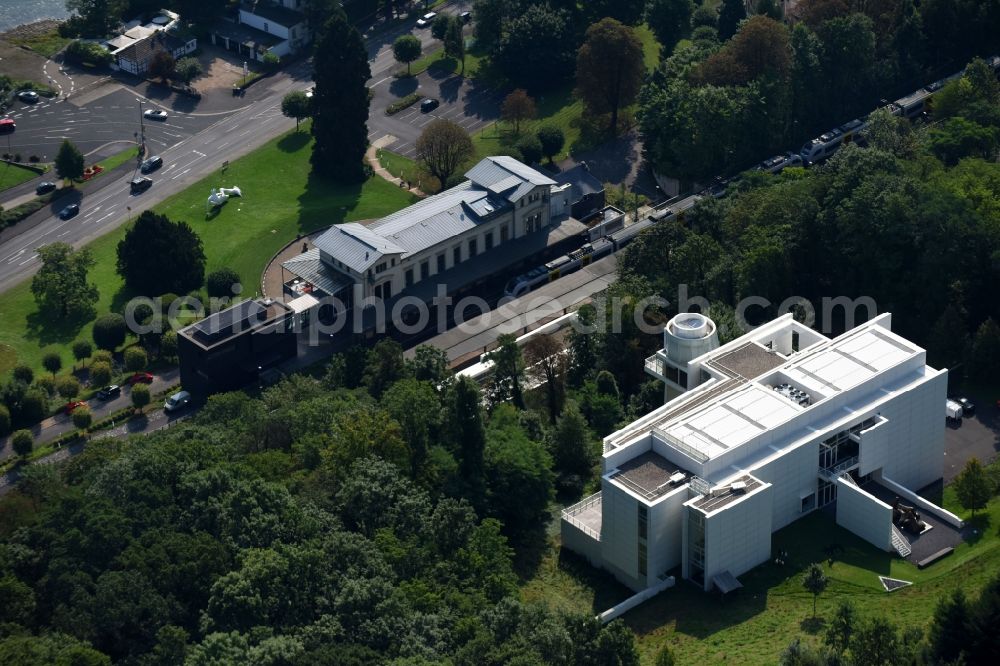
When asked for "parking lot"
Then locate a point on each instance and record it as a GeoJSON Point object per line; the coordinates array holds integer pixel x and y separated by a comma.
{"type": "Point", "coordinates": [976, 436]}
{"type": "Point", "coordinates": [462, 101]}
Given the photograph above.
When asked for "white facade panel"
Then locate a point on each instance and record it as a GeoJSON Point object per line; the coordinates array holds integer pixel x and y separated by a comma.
{"type": "Point", "coordinates": [580, 542]}
{"type": "Point", "coordinates": [620, 534]}
{"type": "Point", "coordinates": [264, 25]}
{"type": "Point", "coordinates": [738, 537]}
{"type": "Point", "coordinates": [876, 444]}
{"type": "Point", "coordinates": [863, 514]}
{"type": "Point", "coordinates": [917, 435]}
{"type": "Point", "coordinates": [792, 476]}
{"type": "Point", "coordinates": [665, 525]}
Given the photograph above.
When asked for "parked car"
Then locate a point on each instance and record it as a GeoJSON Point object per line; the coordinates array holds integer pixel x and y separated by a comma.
{"type": "Point", "coordinates": [141, 184]}
{"type": "Point", "coordinates": [465, 16]}
{"type": "Point", "coordinates": [29, 96]}
{"type": "Point", "coordinates": [151, 164]}
{"type": "Point", "coordinates": [140, 378]}
{"type": "Point", "coordinates": [426, 19]}
{"type": "Point", "coordinates": [109, 392]}
{"type": "Point", "coordinates": [45, 187]}
{"type": "Point", "coordinates": [177, 401]}
{"type": "Point", "coordinates": [72, 406]}
{"type": "Point", "coordinates": [968, 407]}
{"type": "Point", "coordinates": [155, 114]}
{"type": "Point", "coordinates": [69, 211]}
{"type": "Point", "coordinates": [428, 105]}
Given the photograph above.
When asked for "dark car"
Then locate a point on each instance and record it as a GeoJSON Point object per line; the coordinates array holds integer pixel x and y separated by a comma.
{"type": "Point", "coordinates": [140, 184]}
{"type": "Point", "coordinates": [29, 96]}
{"type": "Point", "coordinates": [69, 211]}
{"type": "Point", "coordinates": [465, 16]}
{"type": "Point", "coordinates": [109, 392]}
{"type": "Point", "coordinates": [428, 104]}
{"type": "Point", "coordinates": [968, 407]}
{"type": "Point", "coordinates": [151, 164]}
{"type": "Point", "coordinates": [45, 187]}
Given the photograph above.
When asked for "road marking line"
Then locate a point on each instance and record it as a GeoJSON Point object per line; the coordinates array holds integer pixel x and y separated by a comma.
{"type": "Point", "coordinates": [380, 81]}
{"type": "Point", "coordinates": [28, 260]}
{"type": "Point", "coordinates": [197, 153]}
{"type": "Point", "coordinates": [176, 176]}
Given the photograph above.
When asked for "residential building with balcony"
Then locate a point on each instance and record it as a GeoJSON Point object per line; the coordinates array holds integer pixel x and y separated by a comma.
{"type": "Point", "coordinates": [761, 432]}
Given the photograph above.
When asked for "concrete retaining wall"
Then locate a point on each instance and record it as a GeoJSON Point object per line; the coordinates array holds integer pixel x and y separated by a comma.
{"type": "Point", "coordinates": [925, 505]}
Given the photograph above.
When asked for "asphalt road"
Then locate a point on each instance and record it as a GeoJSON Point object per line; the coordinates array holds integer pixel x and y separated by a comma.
{"type": "Point", "coordinates": [191, 145]}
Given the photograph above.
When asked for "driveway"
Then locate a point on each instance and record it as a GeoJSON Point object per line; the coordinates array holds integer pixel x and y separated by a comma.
{"type": "Point", "coordinates": [975, 437]}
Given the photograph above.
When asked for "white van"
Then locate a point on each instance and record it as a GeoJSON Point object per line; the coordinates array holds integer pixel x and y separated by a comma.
{"type": "Point", "coordinates": [177, 401]}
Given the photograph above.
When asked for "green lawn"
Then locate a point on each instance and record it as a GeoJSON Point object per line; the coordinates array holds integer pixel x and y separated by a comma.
{"type": "Point", "coordinates": [11, 175]}
{"type": "Point", "coordinates": [127, 155]}
{"type": "Point", "coordinates": [47, 44]}
{"type": "Point", "coordinates": [281, 200]}
{"type": "Point", "coordinates": [440, 62]}
{"type": "Point", "coordinates": [757, 623]}
{"type": "Point", "coordinates": [398, 166]}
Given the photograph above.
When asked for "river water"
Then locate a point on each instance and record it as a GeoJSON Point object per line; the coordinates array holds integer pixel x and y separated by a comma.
{"type": "Point", "coordinates": [18, 12]}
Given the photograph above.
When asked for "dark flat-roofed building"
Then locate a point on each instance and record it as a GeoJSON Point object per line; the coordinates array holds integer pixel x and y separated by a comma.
{"type": "Point", "coordinates": [230, 348]}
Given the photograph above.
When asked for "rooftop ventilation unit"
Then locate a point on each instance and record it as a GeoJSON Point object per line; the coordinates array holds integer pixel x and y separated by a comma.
{"type": "Point", "coordinates": [677, 477]}
{"type": "Point", "coordinates": [738, 486]}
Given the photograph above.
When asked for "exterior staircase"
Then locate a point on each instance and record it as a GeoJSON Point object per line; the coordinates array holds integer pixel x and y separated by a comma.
{"type": "Point", "coordinates": [900, 543]}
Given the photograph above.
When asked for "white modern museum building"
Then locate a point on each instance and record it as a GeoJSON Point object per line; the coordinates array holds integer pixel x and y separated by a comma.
{"type": "Point", "coordinates": [762, 431]}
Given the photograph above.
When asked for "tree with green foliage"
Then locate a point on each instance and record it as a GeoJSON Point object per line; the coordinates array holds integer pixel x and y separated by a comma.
{"type": "Point", "coordinates": [704, 16]}
{"type": "Point", "coordinates": [82, 349]}
{"type": "Point", "coordinates": [68, 387]}
{"type": "Point", "coordinates": [97, 18]}
{"type": "Point", "coordinates": [34, 405]}
{"type": "Point", "coordinates": [583, 345]}
{"type": "Point", "coordinates": [406, 49]}
{"type": "Point", "coordinates": [162, 66]}
{"type": "Point", "coordinates": [297, 105]}
{"type": "Point", "coordinates": [841, 627]}
{"type": "Point", "coordinates": [168, 345]}
{"type": "Point", "coordinates": [973, 486]}
{"type": "Point", "coordinates": [669, 20]}
{"type": "Point", "coordinates": [454, 41]}
{"type": "Point", "coordinates": [537, 47]}
{"type": "Point", "coordinates": [957, 138]}
{"type": "Point", "coordinates": [508, 372]}
{"type": "Point", "coordinates": [439, 26]}
{"type": "Point", "coordinates": [340, 101]}
{"type": "Point", "coordinates": [60, 286]}
{"type": "Point", "coordinates": [135, 359]}
{"type": "Point", "coordinates": [466, 434]}
{"type": "Point", "coordinates": [188, 69]}
{"type": "Point", "coordinates": [518, 106]}
{"type": "Point", "coordinates": [518, 480]}
{"type": "Point", "coordinates": [546, 364]}
{"type": "Point", "coordinates": [52, 362]}
{"type": "Point", "coordinates": [609, 69]}
{"type": "Point", "coordinates": [109, 331]}
{"type": "Point", "coordinates": [628, 12]}
{"type": "Point", "coordinates": [415, 406]}
{"type": "Point", "coordinates": [23, 373]}
{"type": "Point", "coordinates": [5, 421]}
{"type": "Point", "coordinates": [430, 364]}
{"type": "Point", "coordinates": [223, 283]}
{"type": "Point", "coordinates": [159, 256]}
{"type": "Point", "coordinates": [22, 442]}
{"type": "Point", "coordinates": [730, 14]}
{"type": "Point", "coordinates": [442, 148]}
{"type": "Point", "coordinates": [100, 373]}
{"type": "Point", "coordinates": [140, 396]}
{"type": "Point", "coordinates": [815, 581]}
{"type": "Point", "coordinates": [82, 418]}
{"type": "Point", "coordinates": [769, 8]}
{"type": "Point", "coordinates": [551, 139]}
{"type": "Point", "coordinates": [950, 629]}
{"type": "Point", "coordinates": [530, 149]}
{"type": "Point", "coordinates": [571, 442]}
{"type": "Point", "coordinates": [385, 367]}
{"type": "Point", "coordinates": [986, 351]}
{"type": "Point", "coordinates": [200, 13]}
{"type": "Point", "coordinates": [875, 642]}
{"type": "Point", "coordinates": [69, 161]}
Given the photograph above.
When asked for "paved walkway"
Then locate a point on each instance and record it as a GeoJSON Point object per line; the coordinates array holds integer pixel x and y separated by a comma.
{"type": "Point", "coordinates": [372, 157]}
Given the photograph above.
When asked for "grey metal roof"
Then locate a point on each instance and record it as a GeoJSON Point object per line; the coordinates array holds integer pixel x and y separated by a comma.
{"type": "Point", "coordinates": [493, 185]}
{"type": "Point", "coordinates": [309, 267]}
{"type": "Point", "coordinates": [581, 181]}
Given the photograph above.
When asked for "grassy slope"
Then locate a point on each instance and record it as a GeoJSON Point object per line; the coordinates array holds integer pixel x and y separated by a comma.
{"type": "Point", "coordinates": [47, 44]}
{"type": "Point", "coordinates": [11, 175]}
{"type": "Point", "coordinates": [755, 625]}
{"type": "Point", "coordinates": [282, 200]}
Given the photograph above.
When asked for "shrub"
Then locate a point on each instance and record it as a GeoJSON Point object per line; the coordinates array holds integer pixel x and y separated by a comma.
{"type": "Point", "coordinates": [47, 384]}
{"type": "Point", "coordinates": [109, 331]}
{"type": "Point", "coordinates": [168, 345]}
{"type": "Point", "coordinates": [552, 140]}
{"type": "Point", "coordinates": [135, 359]}
{"type": "Point", "coordinates": [68, 386]}
{"type": "Point", "coordinates": [88, 53]}
{"type": "Point", "coordinates": [402, 103]}
{"type": "Point", "coordinates": [219, 283]}
{"type": "Point", "coordinates": [271, 61]}
{"type": "Point", "coordinates": [102, 356]}
{"type": "Point", "coordinates": [24, 373]}
{"type": "Point", "coordinates": [100, 373]}
{"type": "Point", "coordinates": [140, 396]}
{"type": "Point", "coordinates": [82, 418]}
{"type": "Point", "coordinates": [52, 362]}
{"type": "Point", "coordinates": [34, 406]}
{"type": "Point", "coordinates": [23, 442]}
{"type": "Point", "coordinates": [530, 148]}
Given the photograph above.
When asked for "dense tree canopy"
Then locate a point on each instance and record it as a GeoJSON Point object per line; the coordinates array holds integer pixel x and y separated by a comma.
{"type": "Point", "coordinates": [609, 68]}
{"type": "Point", "coordinates": [159, 256]}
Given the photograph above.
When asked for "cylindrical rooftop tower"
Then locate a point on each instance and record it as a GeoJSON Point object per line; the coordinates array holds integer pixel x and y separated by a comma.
{"type": "Point", "coordinates": [689, 335]}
